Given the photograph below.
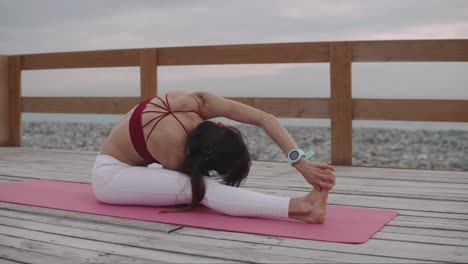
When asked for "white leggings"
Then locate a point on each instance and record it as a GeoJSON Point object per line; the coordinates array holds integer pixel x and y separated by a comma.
{"type": "Point", "coordinates": [115, 182]}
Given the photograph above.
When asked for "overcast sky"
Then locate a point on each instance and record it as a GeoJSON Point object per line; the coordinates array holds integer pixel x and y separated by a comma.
{"type": "Point", "coordinates": [38, 26]}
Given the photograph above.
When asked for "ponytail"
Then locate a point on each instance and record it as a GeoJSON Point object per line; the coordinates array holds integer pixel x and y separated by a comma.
{"type": "Point", "coordinates": [198, 185]}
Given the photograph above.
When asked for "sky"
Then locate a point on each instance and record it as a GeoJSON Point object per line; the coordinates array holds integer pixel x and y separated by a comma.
{"type": "Point", "coordinates": [64, 25]}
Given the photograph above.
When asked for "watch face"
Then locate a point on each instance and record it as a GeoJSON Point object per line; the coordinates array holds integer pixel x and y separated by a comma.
{"type": "Point", "coordinates": [294, 155]}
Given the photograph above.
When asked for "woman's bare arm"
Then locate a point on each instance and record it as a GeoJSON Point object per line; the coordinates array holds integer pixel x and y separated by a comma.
{"type": "Point", "coordinates": [320, 175]}
{"type": "Point", "coordinates": [212, 106]}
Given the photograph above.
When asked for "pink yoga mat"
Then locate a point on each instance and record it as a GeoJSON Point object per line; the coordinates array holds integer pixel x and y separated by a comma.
{"type": "Point", "coordinates": [343, 224]}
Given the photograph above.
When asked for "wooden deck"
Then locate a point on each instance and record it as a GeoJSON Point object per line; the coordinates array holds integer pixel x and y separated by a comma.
{"type": "Point", "coordinates": [432, 224]}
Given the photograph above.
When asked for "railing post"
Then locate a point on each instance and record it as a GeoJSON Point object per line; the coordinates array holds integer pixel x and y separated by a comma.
{"type": "Point", "coordinates": [148, 73]}
{"type": "Point", "coordinates": [4, 104]}
{"type": "Point", "coordinates": [14, 97]}
{"type": "Point", "coordinates": [341, 103]}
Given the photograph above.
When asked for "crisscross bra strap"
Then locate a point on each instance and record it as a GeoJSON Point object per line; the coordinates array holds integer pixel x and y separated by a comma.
{"type": "Point", "coordinates": [136, 133]}
{"type": "Point", "coordinates": [136, 126]}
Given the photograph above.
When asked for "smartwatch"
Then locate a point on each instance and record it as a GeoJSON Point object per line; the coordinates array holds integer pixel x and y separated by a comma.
{"type": "Point", "coordinates": [296, 154]}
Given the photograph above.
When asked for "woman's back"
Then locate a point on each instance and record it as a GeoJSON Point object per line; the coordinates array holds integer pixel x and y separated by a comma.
{"type": "Point", "coordinates": [165, 132]}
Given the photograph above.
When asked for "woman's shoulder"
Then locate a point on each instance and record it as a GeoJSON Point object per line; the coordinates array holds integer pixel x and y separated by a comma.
{"type": "Point", "coordinates": [184, 100]}
{"type": "Point", "coordinates": [177, 93]}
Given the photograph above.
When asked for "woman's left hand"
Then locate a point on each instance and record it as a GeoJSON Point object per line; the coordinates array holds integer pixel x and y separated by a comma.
{"type": "Point", "coordinates": [318, 174]}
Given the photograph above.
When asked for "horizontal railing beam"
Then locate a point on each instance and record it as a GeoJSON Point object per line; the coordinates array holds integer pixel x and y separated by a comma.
{"type": "Point", "coordinates": [289, 107]}
{"type": "Point", "coordinates": [245, 54]}
{"type": "Point", "coordinates": [410, 50]}
{"type": "Point", "coordinates": [411, 110]}
{"type": "Point", "coordinates": [201, 55]}
{"type": "Point", "coordinates": [81, 59]}
{"type": "Point", "coordinates": [363, 109]}
{"type": "Point", "coordinates": [281, 107]}
{"type": "Point", "coordinates": [83, 105]}
{"type": "Point", "coordinates": [308, 52]}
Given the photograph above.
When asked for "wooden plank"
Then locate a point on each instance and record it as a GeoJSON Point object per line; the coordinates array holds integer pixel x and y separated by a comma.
{"type": "Point", "coordinates": [4, 102]}
{"type": "Point", "coordinates": [64, 254]}
{"type": "Point", "coordinates": [199, 55]}
{"type": "Point", "coordinates": [81, 59]}
{"type": "Point", "coordinates": [148, 73]}
{"type": "Point", "coordinates": [430, 225]}
{"type": "Point", "coordinates": [289, 107]}
{"type": "Point", "coordinates": [371, 172]}
{"type": "Point", "coordinates": [14, 92]}
{"type": "Point", "coordinates": [74, 240]}
{"type": "Point", "coordinates": [411, 110]}
{"type": "Point", "coordinates": [58, 216]}
{"type": "Point", "coordinates": [48, 175]}
{"type": "Point", "coordinates": [395, 251]}
{"type": "Point", "coordinates": [245, 54]}
{"type": "Point", "coordinates": [6, 261]}
{"type": "Point", "coordinates": [410, 50]}
{"type": "Point", "coordinates": [85, 105]}
{"type": "Point", "coordinates": [395, 50]}
{"type": "Point", "coordinates": [433, 214]}
{"type": "Point", "coordinates": [26, 256]}
{"type": "Point", "coordinates": [449, 241]}
{"type": "Point", "coordinates": [281, 107]}
{"type": "Point", "coordinates": [9, 179]}
{"type": "Point", "coordinates": [341, 104]}
{"type": "Point", "coordinates": [434, 233]}
{"type": "Point", "coordinates": [185, 246]}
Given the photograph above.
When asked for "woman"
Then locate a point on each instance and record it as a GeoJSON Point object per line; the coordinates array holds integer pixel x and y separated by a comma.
{"type": "Point", "coordinates": [172, 131]}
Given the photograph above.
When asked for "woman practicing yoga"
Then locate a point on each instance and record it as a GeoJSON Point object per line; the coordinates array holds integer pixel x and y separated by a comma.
{"type": "Point", "coordinates": [196, 155]}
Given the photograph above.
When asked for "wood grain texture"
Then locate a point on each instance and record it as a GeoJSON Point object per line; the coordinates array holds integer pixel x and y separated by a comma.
{"type": "Point", "coordinates": [289, 107]}
{"type": "Point", "coordinates": [282, 107]}
{"type": "Point", "coordinates": [198, 55]}
{"type": "Point", "coordinates": [23, 255]}
{"type": "Point", "coordinates": [148, 73]}
{"type": "Point", "coordinates": [4, 102]}
{"type": "Point", "coordinates": [341, 103]}
{"type": "Point", "coordinates": [245, 54]}
{"type": "Point", "coordinates": [389, 50]}
{"type": "Point", "coordinates": [410, 50]}
{"type": "Point", "coordinates": [411, 110]}
{"type": "Point", "coordinates": [84, 105]}
{"type": "Point", "coordinates": [81, 59]}
{"type": "Point", "coordinates": [14, 97]}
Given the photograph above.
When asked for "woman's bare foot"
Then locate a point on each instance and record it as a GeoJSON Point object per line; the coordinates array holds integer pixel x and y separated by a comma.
{"type": "Point", "coordinates": [311, 208]}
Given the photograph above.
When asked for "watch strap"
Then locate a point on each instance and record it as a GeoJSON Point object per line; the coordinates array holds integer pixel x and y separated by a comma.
{"type": "Point", "coordinates": [307, 155]}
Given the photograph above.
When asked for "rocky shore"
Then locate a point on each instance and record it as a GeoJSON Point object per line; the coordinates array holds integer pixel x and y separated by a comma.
{"type": "Point", "coordinates": [381, 147]}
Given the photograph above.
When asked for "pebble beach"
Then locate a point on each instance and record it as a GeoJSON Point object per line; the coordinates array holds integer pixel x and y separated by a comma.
{"type": "Point", "coordinates": [379, 147]}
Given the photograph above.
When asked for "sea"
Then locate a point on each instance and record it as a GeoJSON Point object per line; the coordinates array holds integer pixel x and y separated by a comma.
{"type": "Point", "coordinates": [306, 122]}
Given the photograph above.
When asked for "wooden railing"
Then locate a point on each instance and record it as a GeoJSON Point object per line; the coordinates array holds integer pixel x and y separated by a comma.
{"type": "Point", "coordinates": [341, 108]}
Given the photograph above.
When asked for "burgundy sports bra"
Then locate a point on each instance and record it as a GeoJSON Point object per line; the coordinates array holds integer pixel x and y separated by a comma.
{"type": "Point", "coordinates": [136, 125]}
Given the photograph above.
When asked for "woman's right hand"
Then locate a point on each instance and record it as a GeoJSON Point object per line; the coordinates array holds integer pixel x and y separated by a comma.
{"type": "Point", "coordinates": [318, 174]}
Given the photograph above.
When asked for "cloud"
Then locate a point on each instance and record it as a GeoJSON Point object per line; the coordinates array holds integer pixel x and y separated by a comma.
{"type": "Point", "coordinates": [306, 9]}
{"type": "Point", "coordinates": [65, 25]}
{"type": "Point", "coordinates": [430, 31]}
{"type": "Point", "coordinates": [56, 25]}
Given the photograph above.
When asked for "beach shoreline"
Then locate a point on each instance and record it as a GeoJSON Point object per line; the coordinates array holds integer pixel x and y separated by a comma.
{"type": "Point", "coordinates": [376, 147]}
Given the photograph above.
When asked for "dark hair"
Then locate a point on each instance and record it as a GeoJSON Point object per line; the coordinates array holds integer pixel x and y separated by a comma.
{"type": "Point", "coordinates": [215, 151]}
